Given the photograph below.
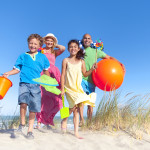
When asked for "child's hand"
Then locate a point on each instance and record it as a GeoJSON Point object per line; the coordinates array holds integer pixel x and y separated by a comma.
{"type": "Point", "coordinates": [62, 93]}
{"type": "Point", "coordinates": [5, 75]}
{"type": "Point", "coordinates": [94, 66]}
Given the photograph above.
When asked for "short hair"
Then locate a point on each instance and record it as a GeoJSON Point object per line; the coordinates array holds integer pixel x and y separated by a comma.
{"type": "Point", "coordinates": [83, 38]}
{"type": "Point", "coordinates": [36, 36]}
{"type": "Point", "coordinates": [86, 34]}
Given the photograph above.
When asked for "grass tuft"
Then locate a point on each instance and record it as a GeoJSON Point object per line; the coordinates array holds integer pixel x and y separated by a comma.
{"type": "Point", "coordinates": [130, 114]}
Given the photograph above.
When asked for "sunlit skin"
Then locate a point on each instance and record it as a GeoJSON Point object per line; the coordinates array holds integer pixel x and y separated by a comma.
{"type": "Point", "coordinates": [73, 49]}
{"type": "Point", "coordinates": [49, 43]}
{"type": "Point", "coordinates": [87, 40]}
{"type": "Point", "coordinates": [33, 45]}
{"type": "Point", "coordinates": [53, 48]}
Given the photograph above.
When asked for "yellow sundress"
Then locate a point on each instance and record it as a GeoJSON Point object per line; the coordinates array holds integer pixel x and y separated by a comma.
{"type": "Point", "coordinates": [74, 91]}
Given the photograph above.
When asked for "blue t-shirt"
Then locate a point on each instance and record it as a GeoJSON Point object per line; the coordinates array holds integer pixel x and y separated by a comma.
{"type": "Point", "coordinates": [31, 67]}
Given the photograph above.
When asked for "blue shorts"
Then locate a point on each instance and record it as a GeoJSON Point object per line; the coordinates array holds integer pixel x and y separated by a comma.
{"type": "Point", "coordinates": [88, 87]}
{"type": "Point", "coordinates": [30, 94]}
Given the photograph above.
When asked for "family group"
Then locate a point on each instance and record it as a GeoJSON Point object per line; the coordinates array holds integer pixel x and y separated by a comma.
{"type": "Point", "coordinates": [75, 81]}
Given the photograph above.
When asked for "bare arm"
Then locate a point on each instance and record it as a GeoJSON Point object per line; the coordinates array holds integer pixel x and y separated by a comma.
{"type": "Point", "coordinates": [64, 66]}
{"type": "Point", "coordinates": [60, 50]}
{"type": "Point", "coordinates": [109, 57]}
{"type": "Point", "coordinates": [87, 73]}
{"type": "Point", "coordinates": [46, 72]}
{"type": "Point", "coordinates": [12, 72]}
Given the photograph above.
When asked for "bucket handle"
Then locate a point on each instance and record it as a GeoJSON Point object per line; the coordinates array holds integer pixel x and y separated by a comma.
{"type": "Point", "coordinates": [63, 101]}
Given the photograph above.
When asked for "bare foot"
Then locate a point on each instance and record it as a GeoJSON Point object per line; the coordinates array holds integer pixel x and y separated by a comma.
{"type": "Point", "coordinates": [79, 137]}
{"type": "Point", "coordinates": [63, 127]}
{"type": "Point", "coordinates": [63, 130]}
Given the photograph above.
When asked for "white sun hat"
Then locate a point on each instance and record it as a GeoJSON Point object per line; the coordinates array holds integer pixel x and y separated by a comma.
{"type": "Point", "coordinates": [51, 36]}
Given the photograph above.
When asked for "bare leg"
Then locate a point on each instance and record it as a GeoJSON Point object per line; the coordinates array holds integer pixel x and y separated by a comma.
{"type": "Point", "coordinates": [31, 121]}
{"type": "Point", "coordinates": [23, 109]}
{"type": "Point", "coordinates": [89, 113]}
{"type": "Point", "coordinates": [81, 108]}
{"type": "Point", "coordinates": [64, 125]}
{"type": "Point", "coordinates": [76, 122]}
{"type": "Point", "coordinates": [64, 122]}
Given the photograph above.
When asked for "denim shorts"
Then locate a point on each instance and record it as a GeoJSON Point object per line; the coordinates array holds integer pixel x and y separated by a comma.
{"type": "Point", "coordinates": [30, 94]}
{"type": "Point", "coordinates": [88, 87]}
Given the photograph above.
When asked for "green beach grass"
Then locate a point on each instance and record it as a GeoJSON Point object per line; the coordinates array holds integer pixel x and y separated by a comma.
{"type": "Point", "coordinates": [130, 114]}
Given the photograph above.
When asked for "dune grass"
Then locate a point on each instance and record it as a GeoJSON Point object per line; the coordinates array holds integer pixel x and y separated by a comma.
{"type": "Point", "coordinates": [130, 113]}
{"type": "Point", "coordinates": [11, 122]}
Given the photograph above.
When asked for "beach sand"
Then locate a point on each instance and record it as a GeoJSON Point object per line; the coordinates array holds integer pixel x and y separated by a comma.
{"type": "Point", "coordinates": [53, 139]}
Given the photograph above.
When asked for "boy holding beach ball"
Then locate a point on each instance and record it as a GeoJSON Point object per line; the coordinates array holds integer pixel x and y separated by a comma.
{"type": "Point", "coordinates": [30, 65]}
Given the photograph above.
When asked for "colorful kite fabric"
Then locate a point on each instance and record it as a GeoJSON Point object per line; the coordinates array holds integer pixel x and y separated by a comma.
{"type": "Point", "coordinates": [48, 83]}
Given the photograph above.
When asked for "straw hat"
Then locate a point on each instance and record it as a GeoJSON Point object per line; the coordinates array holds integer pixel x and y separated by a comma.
{"type": "Point", "coordinates": [51, 36]}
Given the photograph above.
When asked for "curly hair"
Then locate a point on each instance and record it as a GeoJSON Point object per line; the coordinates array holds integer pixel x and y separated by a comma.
{"type": "Point", "coordinates": [80, 54]}
{"type": "Point", "coordinates": [36, 36]}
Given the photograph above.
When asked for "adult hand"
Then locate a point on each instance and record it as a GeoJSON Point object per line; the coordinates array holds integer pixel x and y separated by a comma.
{"type": "Point", "coordinates": [123, 67]}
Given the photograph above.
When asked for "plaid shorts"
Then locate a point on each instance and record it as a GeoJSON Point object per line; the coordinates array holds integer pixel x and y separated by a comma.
{"type": "Point", "coordinates": [30, 94]}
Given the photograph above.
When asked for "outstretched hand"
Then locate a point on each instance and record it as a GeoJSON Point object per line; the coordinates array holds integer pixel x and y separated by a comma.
{"type": "Point", "coordinates": [5, 75]}
{"type": "Point", "coordinates": [12, 72]}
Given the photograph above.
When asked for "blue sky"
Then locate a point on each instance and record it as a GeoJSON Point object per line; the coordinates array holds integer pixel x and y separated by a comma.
{"type": "Point", "coordinates": [123, 26]}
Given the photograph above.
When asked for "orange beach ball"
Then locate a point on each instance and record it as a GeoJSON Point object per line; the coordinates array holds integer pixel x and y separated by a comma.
{"type": "Point", "coordinates": [109, 75]}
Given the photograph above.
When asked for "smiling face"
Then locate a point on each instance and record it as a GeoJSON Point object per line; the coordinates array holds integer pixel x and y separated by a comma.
{"type": "Point", "coordinates": [49, 42]}
{"type": "Point", "coordinates": [87, 40]}
{"type": "Point", "coordinates": [73, 49]}
{"type": "Point", "coordinates": [34, 45]}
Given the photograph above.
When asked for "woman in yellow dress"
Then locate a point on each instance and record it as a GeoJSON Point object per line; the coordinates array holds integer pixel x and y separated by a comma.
{"type": "Point", "coordinates": [72, 69]}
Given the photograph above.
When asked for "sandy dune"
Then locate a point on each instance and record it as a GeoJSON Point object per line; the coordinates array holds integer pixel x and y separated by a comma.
{"type": "Point", "coordinates": [54, 140]}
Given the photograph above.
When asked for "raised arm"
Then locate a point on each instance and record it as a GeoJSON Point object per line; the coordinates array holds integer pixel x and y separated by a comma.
{"type": "Point", "coordinates": [60, 50]}
{"type": "Point", "coordinates": [64, 66]}
{"type": "Point", "coordinates": [87, 73]}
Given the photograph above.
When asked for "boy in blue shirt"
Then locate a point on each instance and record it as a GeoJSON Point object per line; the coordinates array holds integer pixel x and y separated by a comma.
{"type": "Point", "coordinates": [30, 65]}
